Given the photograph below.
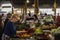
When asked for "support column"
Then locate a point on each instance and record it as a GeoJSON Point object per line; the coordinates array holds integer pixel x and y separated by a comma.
{"type": "Point", "coordinates": [54, 9]}
{"type": "Point", "coordinates": [23, 11]}
{"type": "Point", "coordinates": [25, 8]}
{"type": "Point", "coordinates": [12, 7]}
{"type": "Point", "coordinates": [36, 7]}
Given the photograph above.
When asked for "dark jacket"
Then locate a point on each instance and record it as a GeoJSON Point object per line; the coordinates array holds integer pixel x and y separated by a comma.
{"type": "Point", "coordinates": [10, 29]}
{"type": "Point", "coordinates": [6, 22]}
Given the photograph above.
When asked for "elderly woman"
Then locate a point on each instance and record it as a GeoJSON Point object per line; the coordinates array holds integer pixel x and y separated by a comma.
{"type": "Point", "coordinates": [10, 30]}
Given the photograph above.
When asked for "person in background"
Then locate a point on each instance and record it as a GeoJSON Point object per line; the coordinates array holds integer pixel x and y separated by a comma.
{"type": "Point", "coordinates": [28, 16]}
{"type": "Point", "coordinates": [39, 18]}
{"type": "Point", "coordinates": [35, 17]}
{"type": "Point", "coordinates": [58, 20]}
{"type": "Point", "coordinates": [1, 26]}
{"type": "Point", "coordinates": [3, 17]}
{"type": "Point", "coordinates": [10, 30]}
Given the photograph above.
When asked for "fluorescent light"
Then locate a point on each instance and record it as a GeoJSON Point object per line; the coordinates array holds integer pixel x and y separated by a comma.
{"type": "Point", "coordinates": [6, 4]}
{"type": "Point", "coordinates": [15, 9]}
{"type": "Point", "coordinates": [18, 11]}
{"type": "Point", "coordinates": [27, 1]}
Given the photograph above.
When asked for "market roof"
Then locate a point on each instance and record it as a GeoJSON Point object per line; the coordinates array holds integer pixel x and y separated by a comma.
{"type": "Point", "coordinates": [42, 3]}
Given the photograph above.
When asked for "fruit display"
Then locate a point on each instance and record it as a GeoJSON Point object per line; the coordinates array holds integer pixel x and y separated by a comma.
{"type": "Point", "coordinates": [38, 31]}
{"type": "Point", "coordinates": [23, 34]}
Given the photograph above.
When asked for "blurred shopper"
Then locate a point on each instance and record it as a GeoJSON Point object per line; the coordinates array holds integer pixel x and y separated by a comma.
{"type": "Point", "coordinates": [10, 30]}
{"type": "Point", "coordinates": [1, 26]}
{"type": "Point", "coordinates": [39, 19]}
{"type": "Point", "coordinates": [29, 16]}
{"type": "Point", "coordinates": [35, 17]}
{"type": "Point", "coordinates": [3, 17]}
{"type": "Point", "coordinates": [58, 20]}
